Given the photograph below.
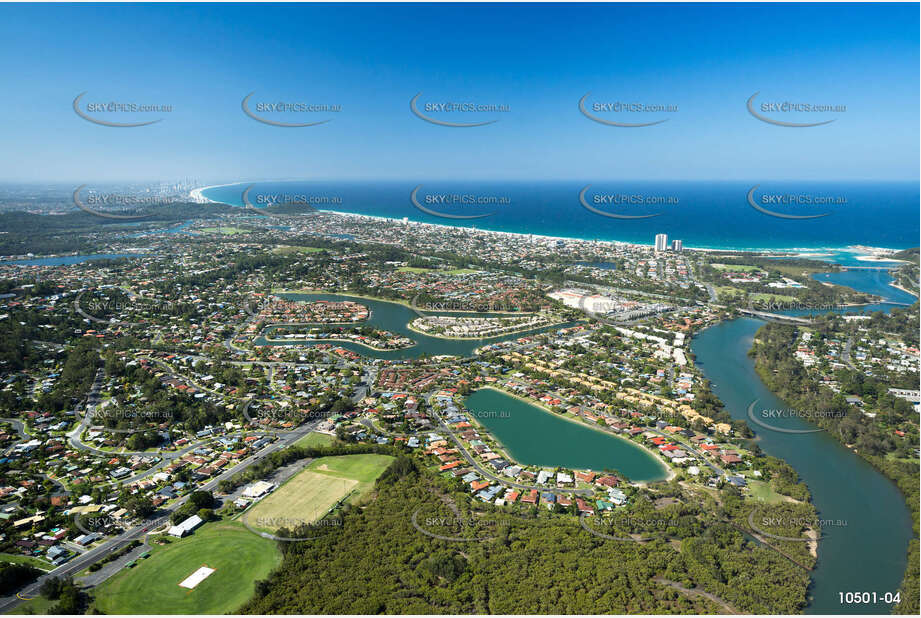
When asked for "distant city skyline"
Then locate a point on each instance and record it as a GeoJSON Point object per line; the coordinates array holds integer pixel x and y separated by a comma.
{"type": "Point", "coordinates": [530, 65]}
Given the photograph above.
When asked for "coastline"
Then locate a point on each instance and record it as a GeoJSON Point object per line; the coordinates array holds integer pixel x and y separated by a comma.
{"type": "Point", "coordinates": [196, 194]}
{"type": "Point", "coordinates": [791, 252]}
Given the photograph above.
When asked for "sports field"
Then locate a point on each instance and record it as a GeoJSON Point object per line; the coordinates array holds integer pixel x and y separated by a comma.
{"type": "Point", "coordinates": [739, 268]}
{"type": "Point", "coordinates": [310, 494]}
{"type": "Point", "coordinates": [363, 468]}
{"type": "Point", "coordinates": [231, 231]}
{"type": "Point", "coordinates": [315, 439]}
{"type": "Point", "coordinates": [238, 558]}
{"type": "Point", "coordinates": [303, 499]}
{"type": "Point", "coordinates": [289, 249]}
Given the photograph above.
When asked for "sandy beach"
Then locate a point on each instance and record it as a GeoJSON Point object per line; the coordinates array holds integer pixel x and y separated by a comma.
{"type": "Point", "coordinates": [872, 253]}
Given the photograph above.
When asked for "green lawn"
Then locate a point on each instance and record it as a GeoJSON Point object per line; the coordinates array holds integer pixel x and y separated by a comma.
{"type": "Point", "coordinates": [225, 230]}
{"type": "Point", "coordinates": [728, 291]}
{"type": "Point", "coordinates": [737, 268]}
{"type": "Point", "coordinates": [315, 439]}
{"type": "Point", "coordinates": [796, 271]}
{"type": "Point", "coordinates": [38, 605]}
{"type": "Point", "coordinates": [152, 587]}
{"type": "Point", "coordinates": [453, 271]}
{"type": "Point", "coordinates": [414, 269]}
{"type": "Point", "coordinates": [362, 468]}
{"type": "Point", "coordinates": [460, 271]}
{"type": "Point", "coordinates": [38, 563]}
{"type": "Point", "coordinates": [288, 249]}
{"type": "Point", "coordinates": [776, 298]}
{"type": "Point", "coordinates": [761, 490]}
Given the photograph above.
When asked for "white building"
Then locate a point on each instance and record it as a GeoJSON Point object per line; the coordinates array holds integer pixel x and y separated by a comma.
{"type": "Point", "coordinates": [185, 527]}
{"type": "Point", "coordinates": [661, 242]}
{"type": "Point", "coordinates": [258, 489]}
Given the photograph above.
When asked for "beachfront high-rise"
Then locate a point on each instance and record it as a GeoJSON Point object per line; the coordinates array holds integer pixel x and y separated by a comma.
{"type": "Point", "coordinates": [677, 246]}
{"type": "Point", "coordinates": [661, 242]}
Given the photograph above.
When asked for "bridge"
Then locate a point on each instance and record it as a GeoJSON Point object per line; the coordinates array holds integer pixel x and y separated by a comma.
{"type": "Point", "coordinates": [775, 317]}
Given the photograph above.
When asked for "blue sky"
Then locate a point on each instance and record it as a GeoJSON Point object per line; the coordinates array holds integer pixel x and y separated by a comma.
{"type": "Point", "coordinates": [537, 59]}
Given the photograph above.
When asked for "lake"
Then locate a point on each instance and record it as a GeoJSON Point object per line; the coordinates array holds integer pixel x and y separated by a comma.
{"type": "Point", "coordinates": [536, 437]}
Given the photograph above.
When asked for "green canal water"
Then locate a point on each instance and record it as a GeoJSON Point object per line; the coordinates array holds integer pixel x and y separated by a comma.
{"type": "Point", "coordinates": [866, 555]}
{"type": "Point", "coordinates": [534, 436]}
{"type": "Point", "coordinates": [394, 317]}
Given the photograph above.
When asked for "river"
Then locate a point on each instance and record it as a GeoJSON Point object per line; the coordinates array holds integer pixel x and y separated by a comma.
{"type": "Point", "coordinates": [869, 553]}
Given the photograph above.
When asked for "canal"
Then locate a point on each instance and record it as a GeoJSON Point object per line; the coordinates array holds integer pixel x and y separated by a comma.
{"type": "Point", "coordinates": [394, 317]}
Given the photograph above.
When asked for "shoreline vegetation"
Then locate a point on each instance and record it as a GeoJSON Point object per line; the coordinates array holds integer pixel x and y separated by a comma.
{"type": "Point", "coordinates": [788, 389]}
{"type": "Point", "coordinates": [904, 289]}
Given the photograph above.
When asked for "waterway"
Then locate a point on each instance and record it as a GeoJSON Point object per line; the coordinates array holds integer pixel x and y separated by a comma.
{"type": "Point", "coordinates": [536, 437]}
{"type": "Point", "coordinates": [876, 282]}
{"type": "Point", "coordinates": [66, 260]}
{"type": "Point", "coordinates": [869, 553]}
{"type": "Point", "coordinates": [866, 555]}
{"type": "Point", "coordinates": [394, 317]}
